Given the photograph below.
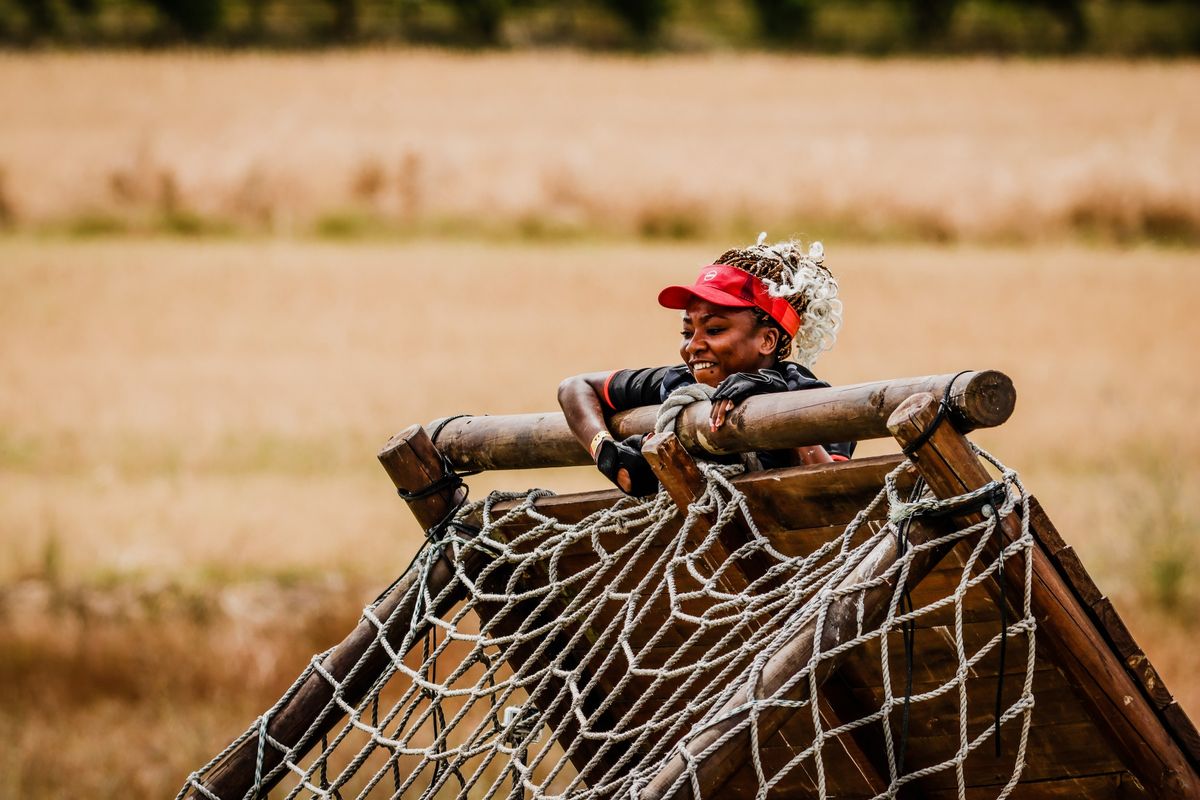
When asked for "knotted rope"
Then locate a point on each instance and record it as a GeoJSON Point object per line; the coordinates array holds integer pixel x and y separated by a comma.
{"type": "Point", "coordinates": [616, 640]}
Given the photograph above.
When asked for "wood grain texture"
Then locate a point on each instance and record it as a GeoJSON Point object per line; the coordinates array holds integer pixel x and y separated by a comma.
{"type": "Point", "coordinates": [1067, 633]}
{"type": "Point", "coordinates": [767, 422]}
{"type": "Point", "coordinates": [1104, 615]}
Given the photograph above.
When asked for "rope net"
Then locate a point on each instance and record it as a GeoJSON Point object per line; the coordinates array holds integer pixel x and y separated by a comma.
{"type": "Point", "coordinates": [573, 660]}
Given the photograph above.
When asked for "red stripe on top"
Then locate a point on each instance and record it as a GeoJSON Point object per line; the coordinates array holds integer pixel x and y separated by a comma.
{"type": "Point", "coordinates": [607, 381]}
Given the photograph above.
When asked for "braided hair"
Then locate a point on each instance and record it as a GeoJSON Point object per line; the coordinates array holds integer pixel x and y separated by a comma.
{"type": "Point", "coordinates": [809, 287]}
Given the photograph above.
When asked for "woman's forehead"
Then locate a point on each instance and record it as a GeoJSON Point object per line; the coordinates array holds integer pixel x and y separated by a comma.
{"type": "Point", "coordinates": [699, 309]}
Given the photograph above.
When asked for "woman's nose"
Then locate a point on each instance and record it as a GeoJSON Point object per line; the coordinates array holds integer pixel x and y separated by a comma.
{"type": "Point", "coordinates": [695, 344]}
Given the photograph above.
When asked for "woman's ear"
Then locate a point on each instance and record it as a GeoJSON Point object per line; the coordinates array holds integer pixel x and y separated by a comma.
{"type": "Point", "coordinates": [769, 341]}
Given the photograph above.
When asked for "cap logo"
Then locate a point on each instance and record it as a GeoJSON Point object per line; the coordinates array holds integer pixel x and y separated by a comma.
{"type": "Point", "coordinates": [708, 276]}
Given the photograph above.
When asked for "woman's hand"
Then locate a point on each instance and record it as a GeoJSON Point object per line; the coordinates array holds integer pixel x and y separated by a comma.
{"type": "Point", "coordinates": [716, 417]}
{"type": "Point", "coordinates": [737, 387]}
{"type": "Point", "coordinates": [623, 463]}
{"type": "Point", "coordinates": [620, 462]}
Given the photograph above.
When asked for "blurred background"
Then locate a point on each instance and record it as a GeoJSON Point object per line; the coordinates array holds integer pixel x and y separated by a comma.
{"type": "Point", "coordinates": [244, 242]}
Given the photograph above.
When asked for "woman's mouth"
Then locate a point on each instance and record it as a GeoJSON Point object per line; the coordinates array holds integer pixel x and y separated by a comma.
{"type": "Point", "coordinates": [700, 365]}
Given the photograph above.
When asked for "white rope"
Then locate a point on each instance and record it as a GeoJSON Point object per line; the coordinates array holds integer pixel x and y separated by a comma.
{"type": "Point", "coordinates": [670, 409]}
{"type": "Point", "coordinates": [586, 654]}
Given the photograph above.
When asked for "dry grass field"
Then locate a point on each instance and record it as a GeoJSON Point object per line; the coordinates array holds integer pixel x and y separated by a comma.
{"type": "Point", "coordinates": [189, 500]}
{"type": "Point", "coordinates": [188, 433]}
{"type": "Point", "coordinates": [551, 144]}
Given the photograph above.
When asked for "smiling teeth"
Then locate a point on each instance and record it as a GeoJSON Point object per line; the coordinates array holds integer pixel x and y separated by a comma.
{"type": "Point", "coordinates": [702, 365]}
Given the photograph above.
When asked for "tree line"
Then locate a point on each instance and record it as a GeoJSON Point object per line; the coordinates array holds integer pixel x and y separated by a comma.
{"type": "Point", "coordinates": [1123, 27]}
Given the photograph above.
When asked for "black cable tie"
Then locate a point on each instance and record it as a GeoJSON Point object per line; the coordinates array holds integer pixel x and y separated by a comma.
{"type": "Point", "coordinates": [907, 629]}
{"type": "Point", "coordinates": [943, 410]}
{"type": "Point", "coordinates": [438, 428]}
{"type": "Point", "coordinates": [1003, 600]}
{"type": "Point", "coordinates": [995, 496]}
{"type": "Point", "coordinates": [450, 480]}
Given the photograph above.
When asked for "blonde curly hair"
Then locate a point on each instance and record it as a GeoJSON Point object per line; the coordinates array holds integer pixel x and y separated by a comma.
{"type": "Point", "coordinates": [800, 276]}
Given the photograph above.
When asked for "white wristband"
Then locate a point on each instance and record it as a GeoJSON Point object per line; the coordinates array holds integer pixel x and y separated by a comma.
{"type": "Point", "coordinates": [596, 440]}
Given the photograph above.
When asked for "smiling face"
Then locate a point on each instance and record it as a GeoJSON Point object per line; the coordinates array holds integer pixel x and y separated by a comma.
{"type": "Point", "coordinates": [719, 341]}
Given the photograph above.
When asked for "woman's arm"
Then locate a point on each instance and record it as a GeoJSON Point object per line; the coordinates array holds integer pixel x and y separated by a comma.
{"type": "Point", "coordinates": [579, 398]}
{"type": "Point", "coordinates": [813, 454]}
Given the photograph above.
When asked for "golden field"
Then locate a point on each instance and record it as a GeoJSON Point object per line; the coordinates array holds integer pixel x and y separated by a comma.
{"type": "Point", "coordinates": [556, 143]}
{"type": "Point", "coordinates": [189, 500]}
{"type": "Point", "coordinates": [189, 433]}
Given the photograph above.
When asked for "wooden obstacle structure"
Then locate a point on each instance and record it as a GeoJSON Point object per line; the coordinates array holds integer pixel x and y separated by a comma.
{"type": "Point", "coordinates": [1103, 724]}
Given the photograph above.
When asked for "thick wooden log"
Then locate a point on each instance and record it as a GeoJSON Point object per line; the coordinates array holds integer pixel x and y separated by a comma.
{"type": "Point", "coordinates": [767, 422]}
{"type": "Point", "coordinates": [411, 461]}
{"type": "Point", "coordinates": [841, 622]}
{"type": "Point", "coordinates": [1067, 632]}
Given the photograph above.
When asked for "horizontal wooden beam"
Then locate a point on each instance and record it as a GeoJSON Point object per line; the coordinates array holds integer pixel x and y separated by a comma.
{"type": "Point", "coordinates": [767, 422]}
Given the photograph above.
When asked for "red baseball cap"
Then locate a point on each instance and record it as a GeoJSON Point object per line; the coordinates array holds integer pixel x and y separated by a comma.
{"type": "Point", "coordinates": [729, 286]}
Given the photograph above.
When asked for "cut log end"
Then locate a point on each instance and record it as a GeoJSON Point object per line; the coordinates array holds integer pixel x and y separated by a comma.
{"type": "Point", "coordinates": [986, 400]}
{"type": "Point", "coordinates": [396, 442]}
{"type": "Point", "coordinates": [912, 417]}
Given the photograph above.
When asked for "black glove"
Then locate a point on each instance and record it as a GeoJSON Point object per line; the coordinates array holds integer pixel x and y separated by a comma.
{"type": "Point", "coordinates": [612, 456]}
{"type": "Point", "coordinates": [740, 385]}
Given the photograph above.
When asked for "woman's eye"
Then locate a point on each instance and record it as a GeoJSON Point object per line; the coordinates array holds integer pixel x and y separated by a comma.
{"type": "Point", "coordinates": [686, 334]}
{"type": "Point", "coordinates": [714, 331]}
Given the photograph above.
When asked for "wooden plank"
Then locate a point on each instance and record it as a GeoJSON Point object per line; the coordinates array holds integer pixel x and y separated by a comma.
{"type": "Point", "coordinates": [935, 654]}
{"type": "Point", "coordinates": [982, 768]}
{"type": "Point", "coordinates": [1181, 725]}
{"type": "Point", "coordinates": [819, 495]}
{"type": "Point", "coordinates": [1068, 748]}
{"type": "Point", "coordinates": [766, 422]}
{"type": "Point", "coordinates": [1054, 752]}
{"type": "Point", "coordinates": [788, 499]}
{"type": "Point", "coordinates": [1104, 786]}
{"type": "Point", "coordinates": [1043, 529]}
{"type": "Point", "coordinates": [1073, 572]}
{"type": "Point", "coordinates": [1055, 703]}
{"type": "Point", "coordinates": [1067, 632]}
{"type": "Point", "coordinates": [1135, 660]}
{"type": "Point", "coordinates": [551, 695]}
{"type": "Point", "coordinates": [1105, 617]}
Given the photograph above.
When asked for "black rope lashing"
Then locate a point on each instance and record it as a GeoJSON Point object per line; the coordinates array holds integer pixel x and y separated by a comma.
{"type": "Point", "coordinates": [433, 436]}
{"type": "Point", "coordinates": [909, 628]}
{"type": "Point", "coordinates": [991, 496]}
{"type": "Point", "coordinates": [943, 410]}
{"type": "Point", "coordinates": [1003, 600]}
{"type": "Point", "coordinates": [450, 481]}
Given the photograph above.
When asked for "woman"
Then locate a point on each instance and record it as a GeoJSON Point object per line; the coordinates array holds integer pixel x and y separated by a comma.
{"type": "Point", "coordinates": [741, 319]}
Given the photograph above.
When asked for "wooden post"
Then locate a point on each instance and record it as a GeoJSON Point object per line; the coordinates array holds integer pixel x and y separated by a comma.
{"type": "Point", "coordinates": [413, 463]}
{"type": "Point", "coordinates": [766, 422]}
{"type": "Point", "coordinates": [1065, 628]}
{"type": "Point", "coordinates": [679, 475]}
{"type": "Point", "coordinates": [841, 623]}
